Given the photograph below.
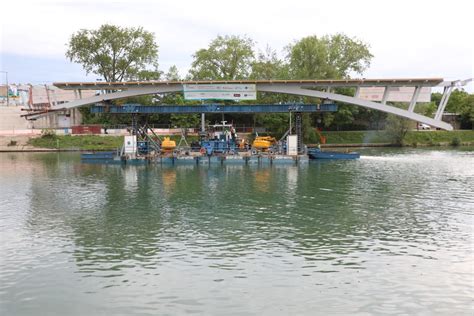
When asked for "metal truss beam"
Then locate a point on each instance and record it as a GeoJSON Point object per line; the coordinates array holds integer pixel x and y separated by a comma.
{"type": "Point", "coordinates": [214, 108]}
{"type": "Point", "coordinates": [443, 102]}
{"type": "Point", "coordinates": [414, 98]}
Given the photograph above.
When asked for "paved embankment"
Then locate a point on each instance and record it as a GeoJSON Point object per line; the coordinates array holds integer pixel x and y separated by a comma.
{"type": "Point", "coordinates": [16, 143]}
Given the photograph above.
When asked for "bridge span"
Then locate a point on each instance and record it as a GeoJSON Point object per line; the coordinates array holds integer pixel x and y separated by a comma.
{"type": "Point", "coordinates": [321, 89]}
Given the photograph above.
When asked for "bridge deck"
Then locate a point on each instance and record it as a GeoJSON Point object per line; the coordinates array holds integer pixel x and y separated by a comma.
{"type": "Point", "coordinates": [400, 82]}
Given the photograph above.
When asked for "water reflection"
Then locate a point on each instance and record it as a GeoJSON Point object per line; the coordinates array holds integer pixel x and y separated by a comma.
{"type": "Point", "coordinates": [126, 213]}
{"type": "Point", "coordinates": [154, 225]}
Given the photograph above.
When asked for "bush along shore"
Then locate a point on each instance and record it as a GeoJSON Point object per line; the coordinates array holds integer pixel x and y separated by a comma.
{"type": "Point", "coordinates": [52, 141]}
{"type": "Point", "coordinates": [412, 138]}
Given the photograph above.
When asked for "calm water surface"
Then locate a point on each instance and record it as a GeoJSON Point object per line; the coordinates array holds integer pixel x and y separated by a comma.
{"type": "Point", "coordinates": [391, 233]}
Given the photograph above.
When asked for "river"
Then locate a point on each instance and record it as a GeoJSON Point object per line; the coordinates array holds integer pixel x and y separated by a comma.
{"type": "Point", "coordinates": [391, 233]}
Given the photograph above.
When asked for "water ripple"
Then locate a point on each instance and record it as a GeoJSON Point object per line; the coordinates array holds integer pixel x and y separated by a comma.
{"type": "Point", "coordinates": [389, 234]}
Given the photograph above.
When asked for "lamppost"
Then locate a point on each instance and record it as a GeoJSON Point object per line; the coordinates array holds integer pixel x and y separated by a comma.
{"type": "Point", "coordinates": [6, 78]}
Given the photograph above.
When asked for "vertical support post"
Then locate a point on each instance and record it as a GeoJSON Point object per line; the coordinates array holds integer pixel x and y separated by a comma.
{"type": "Point", "coordinates": [47, 95]}
{"type": "Point", "coordinates": [357, 93]}
{"type": "Point", "coordinates": [299, 130]}
{"type": "Point", "coordinates": [414, 98]}
{"type": "Point", "coordinates": [385, 95]}
{"type": "Point", "coordinates": [8, 95]}
{"type": "Point", "coordinates": [55, 99]}
{"type": "Point", "coordinates": [443, 102]}
{"type": "Point", "coordinates": [30, 96]}
{"type": "Point", "coordinates": [290, 125]}
{"type": "Point", "coordinates": [203, 122]}
{"type": "Point", "coordinates": [6, 82]}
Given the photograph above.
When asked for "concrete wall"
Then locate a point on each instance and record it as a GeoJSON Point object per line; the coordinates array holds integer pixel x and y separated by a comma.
{"type": "Point", "coordinates": [59, 120]}
{"type": "Point", "coordinates": [11, 121]}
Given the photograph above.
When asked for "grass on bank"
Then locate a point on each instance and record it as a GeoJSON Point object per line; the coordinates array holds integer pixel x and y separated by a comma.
{"type": "Point", "coordinates": [82, 142]}
{"type": "Point", "coordinates": [86, 142]}
{"type": "Point", "coordinates": [413, 138]}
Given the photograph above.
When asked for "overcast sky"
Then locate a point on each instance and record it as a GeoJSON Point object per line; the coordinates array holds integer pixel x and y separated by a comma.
{"type": "Point", "coordinates": [407, 38]}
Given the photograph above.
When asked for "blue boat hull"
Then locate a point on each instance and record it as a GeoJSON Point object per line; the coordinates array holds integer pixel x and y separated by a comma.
{"type": "Point", "coordinates": [317, 154]}
{"type": "Point", "coordinates": [105, 155]}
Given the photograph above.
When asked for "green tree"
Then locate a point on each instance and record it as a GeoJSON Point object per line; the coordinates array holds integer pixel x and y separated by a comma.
{"type": "Point", "coordinates": [345, 115]}
{"type": "Point", "coordinates": [427, 109]}
{"type": "Point", "coordinates": [113, 52]}
{"type": "Point", "coordinates": [277, 124]}
{"type": "Point", "coordinates": [185, 120]}
{"type": "Point", "coordinates": [181, 120]}
{"type": "Point", "coordinates": [397, 128]}
{"type": "Point", "coordinates": [173, 74]}
{"type": "Point", "coordinates": [268, 66]}
{"type": "Point", "coordinates": [327, 57]}
{"type": "Point", "coordinates": [467, 115]}
{"type": "Point", "coordinates": [460, 102]}
{"type": "Point", "coordinates": [226, 58]}
{"type": "Point", "coordinates": [456, 102]}
{"type": "Point", "coordinates": [146, 75]}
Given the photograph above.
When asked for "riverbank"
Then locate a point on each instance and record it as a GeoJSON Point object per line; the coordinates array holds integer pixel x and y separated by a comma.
{"type": "Point", "coordinates": [35, 143]}
{"type": "Point", "coordinates": [334, 139]}
{"type": "Point", "coordinates": [413, 138]}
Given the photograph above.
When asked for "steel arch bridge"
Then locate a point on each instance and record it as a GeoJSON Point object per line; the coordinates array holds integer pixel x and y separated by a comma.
{"type": "Point", "coordinates": [322, 89]}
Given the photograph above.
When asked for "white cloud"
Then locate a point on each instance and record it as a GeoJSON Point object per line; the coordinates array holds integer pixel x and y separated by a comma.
{"type": "Point", "coordinates": [408, 38]}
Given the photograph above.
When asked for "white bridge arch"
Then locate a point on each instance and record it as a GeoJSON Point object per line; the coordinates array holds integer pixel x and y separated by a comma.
{"type": "Point", "coordinates": [310, 88]}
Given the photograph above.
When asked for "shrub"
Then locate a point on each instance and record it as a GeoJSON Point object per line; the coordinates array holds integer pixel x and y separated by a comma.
{"type": "Point", "coordinates": [456, 141]}
{"type": "Point", "coordinates": [48, 133]}
{"type": "Point", "coordinates": [396, 129]}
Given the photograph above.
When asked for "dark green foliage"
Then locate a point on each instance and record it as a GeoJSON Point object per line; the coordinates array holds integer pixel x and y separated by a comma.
{"type": "Point", "coordinates": [268, 66]}
{"type": "Point", "coordinates": [456, 141]}
{"type": "Point", "coordinates": [397, 128]}
{"type": "Point", "coordinates": [327, 57]}
{"type": "Point", "coordinates": [185, 120]}
{"type": "Point", "coordinates": [276, 124]}
{"type": "Point", "coordinates": [460, 102]}
{"type": "Point", "coordinates": [226, 58]}
{"type": "Point", "coordinates": [115, 53]}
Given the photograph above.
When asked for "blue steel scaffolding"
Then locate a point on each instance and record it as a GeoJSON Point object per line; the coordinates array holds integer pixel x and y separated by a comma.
{"type": "Point", "coordinates": [213, 108]}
